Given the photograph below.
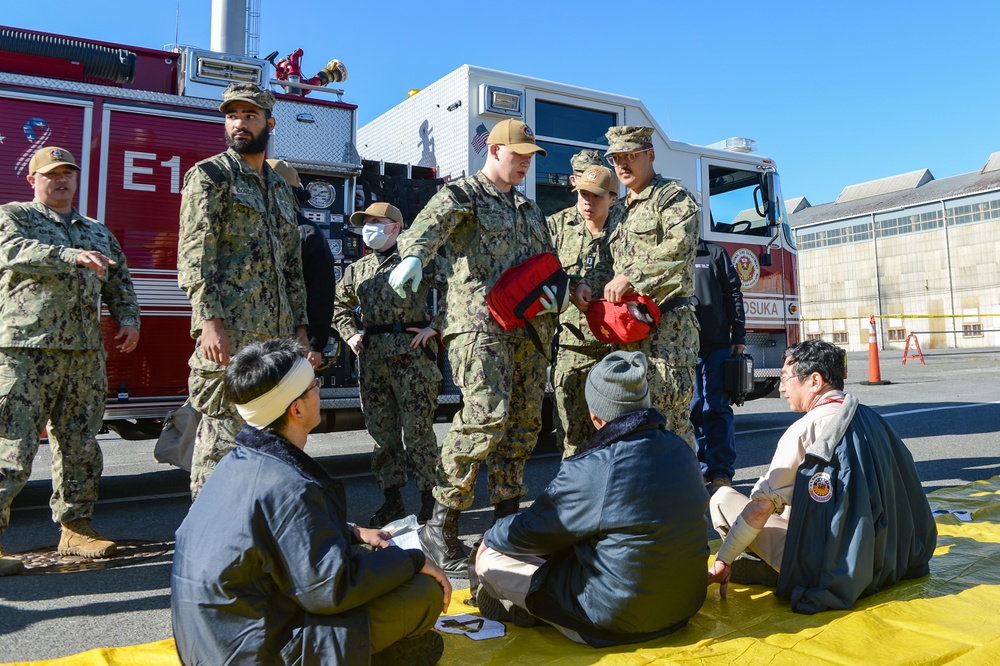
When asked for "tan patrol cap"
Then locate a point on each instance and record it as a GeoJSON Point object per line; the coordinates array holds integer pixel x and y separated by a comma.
{"type": "Point", "coordinates": [586, 158]}
{"type": "Point", "coordinates": [515, 135]}
{"type": "Point", "coordinates": [597, 179]}
{"type": "Point", "coordinates": [377, 209]}
{"type": "Point", "coordinates": [47, 159]}
{"type": "Point", "coordinates": [247, 92]}
{"type": "Point", "coordinates": [628, 138]}
{"type": "Point", "coordinates": [286, 171]}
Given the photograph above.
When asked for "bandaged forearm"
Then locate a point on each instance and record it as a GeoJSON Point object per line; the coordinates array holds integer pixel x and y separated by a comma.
{"type": "Point", "coordinates": [740, 536]}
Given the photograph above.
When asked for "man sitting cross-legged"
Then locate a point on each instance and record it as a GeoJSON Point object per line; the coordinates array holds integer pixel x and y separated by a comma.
{"type": "Point", "coordinates": [267, 570]}
{"type": "Point", "coordinates": [610, 552]}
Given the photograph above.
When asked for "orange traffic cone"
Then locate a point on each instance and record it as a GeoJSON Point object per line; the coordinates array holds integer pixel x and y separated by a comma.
{"type": "Point", "coordinates": [874, 373]}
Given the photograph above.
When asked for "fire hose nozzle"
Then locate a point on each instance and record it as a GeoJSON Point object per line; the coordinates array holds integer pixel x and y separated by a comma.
{"type": "Point", "coordinates": [334, 72]}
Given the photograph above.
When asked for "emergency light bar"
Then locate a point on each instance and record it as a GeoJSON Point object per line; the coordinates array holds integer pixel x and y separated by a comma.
{"type": "Point", "coordinates": [739, 144]}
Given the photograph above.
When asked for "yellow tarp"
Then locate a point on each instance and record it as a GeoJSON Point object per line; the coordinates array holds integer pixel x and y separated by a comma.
{"type": "Point", "coordinates": [951, 616]}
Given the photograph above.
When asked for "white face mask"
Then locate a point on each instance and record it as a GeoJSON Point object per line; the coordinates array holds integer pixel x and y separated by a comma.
{"type": "Point", "coordinates": [374, 236]}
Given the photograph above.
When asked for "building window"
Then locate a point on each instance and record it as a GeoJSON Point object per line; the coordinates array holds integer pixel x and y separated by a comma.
{"type": "Point", "coordinates": [972, 330]}
{"type": "Point", "coordinates": [897, 334]}
{"type": "Point", "coordinates": [814, 336]}
{"type": "Point", "coordinates": [908, 224]}
{"type": "Point", "coordinates": [563, 130]}
{"type": "Point", "coordinates": [851, 234]}
{"type": "Point", "coordinates": [972, 213]}
{"type": "Point", "coordinates": [840, 338]}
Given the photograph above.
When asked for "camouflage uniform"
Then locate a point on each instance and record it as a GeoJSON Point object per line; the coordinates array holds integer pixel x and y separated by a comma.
{"type": "Point", "coordinates": [239, 259]}
{"type": "Point", "coordinates": [52, 351]}
{"type": "Point", "coordinates": [655, 249]}
{"type": "Point", "coordinates": [580, 252]}
{"type": "Point", "coordinates": [500, 374]}
{"type": "Point", "coordinates": [399, 385]}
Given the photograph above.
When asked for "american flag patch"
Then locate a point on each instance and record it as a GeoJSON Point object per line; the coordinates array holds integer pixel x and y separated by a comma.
{"type": "Point", "coordinates": [479, 140]}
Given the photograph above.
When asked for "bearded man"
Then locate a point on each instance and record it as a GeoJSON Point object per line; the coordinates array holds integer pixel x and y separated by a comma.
{"type": "Point", "coordinates": [240, 261]}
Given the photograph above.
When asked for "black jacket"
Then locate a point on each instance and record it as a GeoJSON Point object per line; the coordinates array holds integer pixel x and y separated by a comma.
{"type": "Point", "coordinates": [860, 520]}
{"type": "Point", "coordinates": [318, 274]}
{"type": "Point", "coordinates": [623, 526]}
{"type": "Point", "coordinates": [264, 570]}
{"type": "Point", "coordinates": [718, 299]}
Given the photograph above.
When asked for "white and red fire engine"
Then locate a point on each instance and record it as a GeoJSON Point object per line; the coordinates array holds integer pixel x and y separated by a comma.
{"type": "Point", "coordinates": [445, 126]}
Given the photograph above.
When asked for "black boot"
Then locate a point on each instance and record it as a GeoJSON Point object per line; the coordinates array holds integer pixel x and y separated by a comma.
{"type": "Point", "coordinates": [506, 507]}
{"type": "Point", "coordinates": [392, 509]}
{"type": "Point", "coordinates": [493, 609]}
{"type": "Point", "coordinates": [439, 541]}
{"type": "Point", "coordinates": [426, 506]}
{"type": "Point", "coordinates": [748, 569]}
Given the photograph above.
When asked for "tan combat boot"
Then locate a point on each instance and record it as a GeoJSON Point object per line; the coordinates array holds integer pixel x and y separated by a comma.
{"type": "Point", "coordinates": [9, 565]}
{"type": "Point", "coordinates": [79, 538]}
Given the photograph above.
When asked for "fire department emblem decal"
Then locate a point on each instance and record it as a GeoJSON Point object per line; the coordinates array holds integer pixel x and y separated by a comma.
{"type": "Point", "coordinates": [821, 487]}
{"type": "Point", "coordinates": [747, 267]}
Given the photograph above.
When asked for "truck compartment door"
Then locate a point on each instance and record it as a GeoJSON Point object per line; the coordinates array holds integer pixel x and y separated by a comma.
{"type": "Point", "coordinates": [145, 153]}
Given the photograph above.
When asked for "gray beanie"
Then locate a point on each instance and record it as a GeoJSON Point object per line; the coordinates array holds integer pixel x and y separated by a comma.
{"type": "Point", "coordinates": [617, 385]}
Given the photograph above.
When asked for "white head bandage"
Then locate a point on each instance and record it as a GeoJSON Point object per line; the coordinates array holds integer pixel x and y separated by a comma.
{"type": "Point", "coordinates": [264, 409]}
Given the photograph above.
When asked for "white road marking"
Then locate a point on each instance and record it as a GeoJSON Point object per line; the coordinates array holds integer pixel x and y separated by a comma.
{"type": "Point", "coordinates": [889, 414]}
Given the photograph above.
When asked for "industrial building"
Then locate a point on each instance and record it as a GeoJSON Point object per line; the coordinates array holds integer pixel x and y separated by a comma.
{"type": "Point", "coordinates": [917, 252]}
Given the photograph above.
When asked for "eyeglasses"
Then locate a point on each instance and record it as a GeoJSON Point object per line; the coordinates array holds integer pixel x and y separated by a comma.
{"type": "Point", "coordinates": [620, 159]}
{"type": "Point", "coordinates": [313, 385]}
{"type": "Point", "coordinates": [786, 377]}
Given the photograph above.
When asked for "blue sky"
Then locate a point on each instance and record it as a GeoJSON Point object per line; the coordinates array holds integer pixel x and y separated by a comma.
{"type": "Point", "coordinates": [836, 93]}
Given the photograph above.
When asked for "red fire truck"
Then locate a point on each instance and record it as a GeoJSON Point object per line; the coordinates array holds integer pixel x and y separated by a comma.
{"type": "Point", "coordinates": [137, 119]}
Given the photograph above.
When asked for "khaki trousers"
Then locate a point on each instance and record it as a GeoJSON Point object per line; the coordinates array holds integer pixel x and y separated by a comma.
{"type": "Point", "coordinates": [727, 504]}
{"type": "Point", "coordinates": [508, 578]}
{"type": "Point", "coordinates": [408, 611]}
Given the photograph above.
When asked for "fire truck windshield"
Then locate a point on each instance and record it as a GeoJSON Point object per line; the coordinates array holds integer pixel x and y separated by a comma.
{"type": "Point", "coordinates": [738, 201]}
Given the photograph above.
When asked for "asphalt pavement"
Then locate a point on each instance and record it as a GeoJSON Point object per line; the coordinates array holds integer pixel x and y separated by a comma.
{"type": "Point", "coordinates": [947, 411]}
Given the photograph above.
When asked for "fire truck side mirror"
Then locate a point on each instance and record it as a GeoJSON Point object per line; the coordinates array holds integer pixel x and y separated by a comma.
{"type": "Point", "coordinates": [765, 257]}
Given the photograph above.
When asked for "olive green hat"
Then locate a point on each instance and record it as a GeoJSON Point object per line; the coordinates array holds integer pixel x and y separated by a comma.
{"type": "Point", "coordinates": [586, 158]}
{"type": "Point", "coordinates": [628, 138]}
{"type": "Point", "coordinates": [247, 92]}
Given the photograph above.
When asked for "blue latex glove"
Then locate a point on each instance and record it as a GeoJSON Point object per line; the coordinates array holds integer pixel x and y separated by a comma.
{"type": "Point", "coordinates": [409, 269]}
